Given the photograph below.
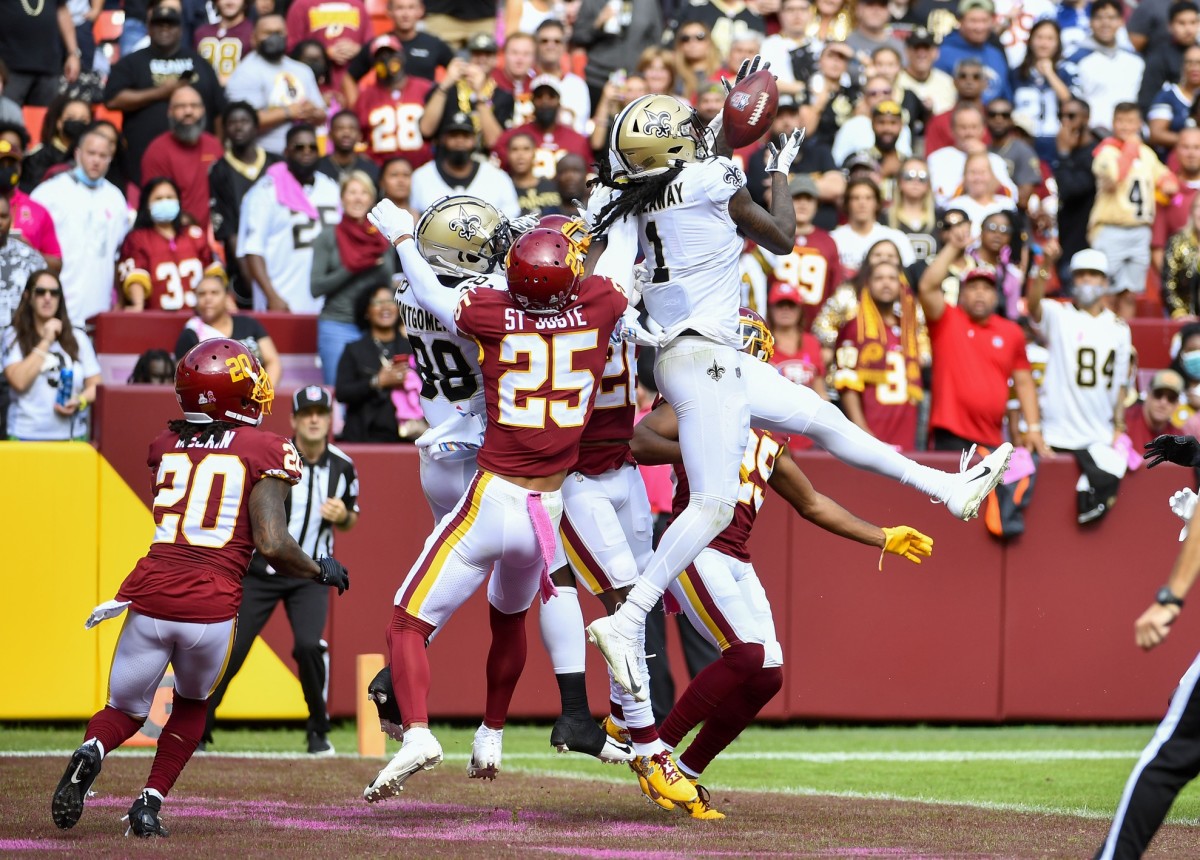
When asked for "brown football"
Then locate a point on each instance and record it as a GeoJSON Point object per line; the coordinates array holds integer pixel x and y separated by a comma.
{"type": "Point", "coordinates": [750, 109]}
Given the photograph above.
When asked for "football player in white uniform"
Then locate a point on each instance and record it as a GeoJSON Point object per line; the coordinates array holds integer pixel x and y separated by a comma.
{"type": "Point", "coordinates": [690, 207]}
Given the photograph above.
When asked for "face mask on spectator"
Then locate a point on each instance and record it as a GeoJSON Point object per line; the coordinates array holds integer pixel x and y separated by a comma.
{"type": "Point", "coordinates": [458, 157]}
{"type": "Point", "coordinates": [1191, 363]}
{"type": "Point", "coordinates": [1088, 294]}
{"type": "Point", "coordinates": [319, 69]}
{"type": "Point", "coordinates": [73, 128]}
{"type": "Point", "coordinates": [9, 174]}
{"type": "Point", "coordinates": [545, 116]}
{"type": "Point", "coordinates": [273, 47]}
{"type": "Point", "coordinates": [164, 211]}
{"type": "Point", "coordinates": [85, 179]}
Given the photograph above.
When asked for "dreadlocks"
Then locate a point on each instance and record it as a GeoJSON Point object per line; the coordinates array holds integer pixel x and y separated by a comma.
{"type": "Point", "coordinates": [201, 433]}
{"type": "Point", "coordinates": [635, 195]}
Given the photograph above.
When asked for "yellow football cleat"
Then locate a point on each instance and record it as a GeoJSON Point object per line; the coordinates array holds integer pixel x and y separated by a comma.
{"type": "Point", "coordinates": [649, 793]}
{"type": "Point", "coordinates": [701, 808]}
{"type": "Point", "coordinates": [664, 779]}
{"type": "Point", "coordinates": [617, 733]}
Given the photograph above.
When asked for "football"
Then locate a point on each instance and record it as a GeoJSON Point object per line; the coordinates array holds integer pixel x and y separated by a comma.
{"type": "Point", "coordinates": [750, 109]}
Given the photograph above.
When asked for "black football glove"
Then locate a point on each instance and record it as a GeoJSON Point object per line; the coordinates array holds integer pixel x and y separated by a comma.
{"type": "Point", "coordinates": [333, 574]}
{"type": "Point", "coordinates": [1181, 450]}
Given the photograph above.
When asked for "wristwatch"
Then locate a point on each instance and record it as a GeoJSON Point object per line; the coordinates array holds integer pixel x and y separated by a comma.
{"type": "Point", "coordinates": [1167, 598]}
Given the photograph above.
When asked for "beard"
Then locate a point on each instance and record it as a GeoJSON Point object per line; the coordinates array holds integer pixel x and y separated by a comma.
{"type": "Point", "coordinates": [186, 132]}
{"type": "Point", "coordinates": [304, 173]}
{"type": "Point", "coordinates": [886, 142]}
{"type": "Point", "coordinates": [458, 157]}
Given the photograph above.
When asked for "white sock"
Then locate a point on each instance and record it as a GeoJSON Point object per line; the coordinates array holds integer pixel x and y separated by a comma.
{"type": "Point", "coordinates": [416, 733]}
{"type": "Point", "coordinates": [98, 745]}
{"type": "Point", "coordinates": [640, 714]}
{"type": "Point", "coordinates": [653, 748]}
{"type": "Point", "coordinates": [561, 623]}
{"type": "Point", "coordinates": [488, 730]}
{"type": "Point", "coordinates": [616, 697]}
{"type": "Point", "coordinates": [686, 771]}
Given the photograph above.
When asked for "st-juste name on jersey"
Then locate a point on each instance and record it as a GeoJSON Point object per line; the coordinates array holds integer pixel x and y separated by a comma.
{"type": "Point", "coordinates": [692, 250]}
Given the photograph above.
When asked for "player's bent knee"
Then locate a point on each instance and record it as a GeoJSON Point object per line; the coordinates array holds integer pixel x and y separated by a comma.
{"type": "Point", "coordinates": [714, 512]}
{"type": "Point", "coordinates": [744, 658]}
{"type": "Point", "coordinates": [766, 682]}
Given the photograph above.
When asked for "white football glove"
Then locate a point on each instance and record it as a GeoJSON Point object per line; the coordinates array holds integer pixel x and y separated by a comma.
{"type": "Point", "coordinates": [522, 225]}
{"type": "Point", "coordinates": [1183, 505]}
{"type": "Point", "coordinates": [390, 220]}
{"type": "Point", "coordinates": [600, 196]}
{"type": "Point", "coordinates": [745, 70]}
{"type": "Point", "coordinates": [780, 158]}
{"type": "Point", "coordinates": [631, 329]}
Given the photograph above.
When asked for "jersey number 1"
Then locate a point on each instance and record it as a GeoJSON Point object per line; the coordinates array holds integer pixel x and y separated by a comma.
{"type": "Point", "coordinates": [661, 273]}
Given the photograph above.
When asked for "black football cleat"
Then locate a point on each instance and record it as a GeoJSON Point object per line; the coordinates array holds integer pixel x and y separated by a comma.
{"type": "Point", "coordinates": [143, 817]}
{"type": "Point", "coordinates": [583, 735]}
{"type": "Point", "coordinates": [380, 692]}
{"type": "Point", "coordinates": [67, 805]}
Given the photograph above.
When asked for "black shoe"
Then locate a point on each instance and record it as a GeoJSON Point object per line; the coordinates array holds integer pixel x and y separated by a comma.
{"type": "Point", "coordinates": [318, 744]}
{"type": "Point", "coordinates": [143, 817]}
{"type": "Point", "coordinates": [67, 805]}
{"type": "Point", "coordinates": [380, 692]}
{"type": "Point", "coordinates": [578, 734]}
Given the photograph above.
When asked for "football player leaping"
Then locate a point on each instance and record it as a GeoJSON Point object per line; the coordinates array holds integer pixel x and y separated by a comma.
{"type": "Point", "coordinates": [543, 344]}
{"type": "Point", "coordinates": [691, 209]}
{"type": "Point", "coordinates": [183, 595]}
{"type": "Point", "coordinates": [722, 595]}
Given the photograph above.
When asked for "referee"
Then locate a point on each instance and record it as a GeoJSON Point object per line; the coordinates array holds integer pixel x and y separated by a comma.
{"type": "Point", "coordinates": [325, 498]}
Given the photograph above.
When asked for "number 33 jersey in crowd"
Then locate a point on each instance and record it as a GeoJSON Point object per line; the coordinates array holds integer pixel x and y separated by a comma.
{"type": "Point", "coordinates": [203, 538]}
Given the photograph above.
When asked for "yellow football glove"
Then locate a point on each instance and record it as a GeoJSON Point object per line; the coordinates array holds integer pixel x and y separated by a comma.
{"type": "Point", "coordinates": [906, 541]}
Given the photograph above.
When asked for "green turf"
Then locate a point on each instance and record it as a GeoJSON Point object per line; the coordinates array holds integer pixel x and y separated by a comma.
{"type": "Point", "coordinates": [1072, 786]}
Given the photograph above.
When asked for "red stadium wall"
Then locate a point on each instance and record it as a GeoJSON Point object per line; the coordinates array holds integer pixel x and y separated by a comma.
{"type": "Point", "coordinates": [1036, 629]}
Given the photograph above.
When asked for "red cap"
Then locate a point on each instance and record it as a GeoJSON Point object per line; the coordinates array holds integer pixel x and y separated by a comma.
{"type": "Point", "coordinates": [782, 291]}
{"type": "Point", "coordinates": [986, 273]}
{"type": "Point", "coordinates": [386, 41]}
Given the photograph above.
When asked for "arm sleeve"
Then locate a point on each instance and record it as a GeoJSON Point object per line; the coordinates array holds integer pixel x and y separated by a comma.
{"type": "Point", "coordinates": [620, 253]}
{"type": "Point", "coordinates": [427, 289]}
{"type": "Point", "coordinates": [134, 265]}
{"type": "Point", "coordinates": [91, 365]}
{"type": "Point", "coordinates": [277, 458]}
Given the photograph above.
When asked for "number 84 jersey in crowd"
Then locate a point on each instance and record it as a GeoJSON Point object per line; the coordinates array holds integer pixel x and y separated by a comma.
{"type": "Point", "coordinates": [203, 536]}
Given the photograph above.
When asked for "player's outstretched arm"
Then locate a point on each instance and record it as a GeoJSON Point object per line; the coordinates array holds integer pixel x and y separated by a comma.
{"type": "Point", "coordinates": [397, 225]}
{"type": "Point", "coordinates": [618, 256]}
{"type": "Point", "coordinates": [774, 230]}
{"type": "Point", "coordinates": [655, 439]}
{"type": "Point", "coordinates": [793, 485]}
{"type": "Point", "coordinates": [271, 538]}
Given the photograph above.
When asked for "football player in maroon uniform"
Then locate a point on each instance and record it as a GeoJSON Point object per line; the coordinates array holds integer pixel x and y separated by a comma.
{"type": "Point", "coordinates": [542, 349]}
{"type": "Point", "coordinates": [220, 486]}
{"type": "Point", "coordinates": [722, 595]}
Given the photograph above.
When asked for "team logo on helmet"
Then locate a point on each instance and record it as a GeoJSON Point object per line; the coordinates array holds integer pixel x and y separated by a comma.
{"type": "Point", "coordinates": [466, 225]}
{"type": "Point", "coordinates": [658, 123]}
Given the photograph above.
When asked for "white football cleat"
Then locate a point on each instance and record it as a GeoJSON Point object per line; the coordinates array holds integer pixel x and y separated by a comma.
{"type": "Point", "coordinates": [485, 753]}
{"type": "Point", "coordinates": [973, 485]}
{"type": "Point", "coordinates": [622, 655]}
{"type": "Point", "coordinates": [421, 753]}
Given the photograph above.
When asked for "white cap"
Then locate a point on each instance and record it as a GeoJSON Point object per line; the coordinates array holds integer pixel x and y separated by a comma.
{"type": "Point", "coordinates": [1089, 260]}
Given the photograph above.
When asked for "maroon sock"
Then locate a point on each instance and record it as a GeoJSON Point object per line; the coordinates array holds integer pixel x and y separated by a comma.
{"type": "Point", "coordinates": [505, 662]}
{"type": "Point", "coordinates": [179, 739]}
{"type": "Point", "coordinates": [410, 665]}
{"type": "Point", "coordinates": [711, 687]}
{"type": "Point", "coordinates": [112, 728]}
{"type": "Point", "coordinates": [729, 720]}
{"type": "Point", "coordinates": [616, 710]}
{"type": "Point", "coordinates": [643, 734]}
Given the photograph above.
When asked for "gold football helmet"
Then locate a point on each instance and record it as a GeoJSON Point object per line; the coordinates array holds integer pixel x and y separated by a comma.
{"type": "Point", "coordinates": [460, 234]}
{"type": "Point", "coordinates": [655, 133]}
{"type": "Point", "coordinates": [757, 339]}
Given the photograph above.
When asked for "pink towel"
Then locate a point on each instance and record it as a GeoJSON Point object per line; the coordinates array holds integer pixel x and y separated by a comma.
{"type": "Point", "coordinates": [1020, 465]}
{"type": "Point", "coordinates": [544, 531]}
{"type": "Point", "coordinates": [289, 192]}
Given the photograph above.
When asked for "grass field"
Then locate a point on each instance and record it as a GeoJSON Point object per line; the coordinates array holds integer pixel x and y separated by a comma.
{"type": "Point", "coordinates": [898, 792]}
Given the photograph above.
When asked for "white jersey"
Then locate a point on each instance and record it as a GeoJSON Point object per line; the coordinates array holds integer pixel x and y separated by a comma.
{"type": "Point", "coordinates": [448, 364]}
{"type": "Point", "coordinates": [488, 183]}
{"type": "Point", "coordinates": [853, 248]}
{"type": "Point", "coordinates": [1087, 366]}
{"type": "Point", "coordinates": [693, 251]}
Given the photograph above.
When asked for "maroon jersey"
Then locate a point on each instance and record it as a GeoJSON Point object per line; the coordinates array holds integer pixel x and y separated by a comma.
{"type": "Point", "coordinates": [539, 374]}
{"type": "Point", "coordinates": [879, 372]}
{"type": "Point", "coordinates": [391, 118]}
{"type": "Point", "coordinates": [202, 537]}
{"type": "Point", "coordinates": [813, 268]}
{"type": "Point", "coordinates": [758, 464]}
{"type": "Point", "coordinates": [223, 48]}
{"type": "Point", "coordinates": [168, 269]}
{"type": "Point", "coordinates": [612, 415]}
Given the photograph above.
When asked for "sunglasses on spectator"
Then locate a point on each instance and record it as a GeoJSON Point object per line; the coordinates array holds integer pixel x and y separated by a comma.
{"type": "Point", "coordinates": [693, 37]}
{"type": "Point", "coordinates": [970, 76]}
{"type": "Point", "coordinates": [304, 147]}
{"type": "Point", "coordinates": [41, 292]}
{"type": "Point", "coordinates": [999, 114]}
{"type": "Point", "coordinates": [1165, 394]}
{"type": "Point", "coordinates": [1002, 229]}
{"type": "Point", "coordinates": [915, 174]}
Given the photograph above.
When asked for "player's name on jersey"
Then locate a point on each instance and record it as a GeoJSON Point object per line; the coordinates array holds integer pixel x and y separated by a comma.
{"type": "Point", "coordinates": [419, 319]}
{"type": "Point", "coordinates": [514, 320]}
{"type": "Point", "coordinates": [212, 442]}
{"type": "Point", "coordinates": [672, 195]}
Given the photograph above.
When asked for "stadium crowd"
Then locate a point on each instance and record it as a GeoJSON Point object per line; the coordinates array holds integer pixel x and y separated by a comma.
{"type": "Point", "coordinates": [218, 158]}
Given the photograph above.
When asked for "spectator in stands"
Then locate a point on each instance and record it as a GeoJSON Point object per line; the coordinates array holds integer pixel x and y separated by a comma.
{"type": "Point", "coordinates": [90, 216]}
{"type": "Point", "coordinates": [812, 267]}
{"type": "Point", "coordinates": [1072, 171]}
{"type": "Point", "coordinates": [311, 53]}
{"type": "Point", "coordinates": [535, 194]}
{"type": "Point", "coordinates": [1101, 73]}
{"type": "Point", "coordinates": [153, 367]}
{"type": "Point", "coordinates": [38, 44]}
{"type": "Point", "coordinates": [698, 60]}
{"type": "Point", "coordinates": [10, 111]}
{"type": "Point", "coordinates": [456, 170]}
{"type": "Point", "coordinates": [1147, 23]}
{"type": "Point", "coordinates": [995, 250]}
{"type": "Point", "coordinates": [859, 133]}
{"type": "Point", "coordinates": [973, 39]}
{"type": "Point", "coordinates": [946, 166]}
{"type": "Point", "coordinates": [571, 180]}
{"type": "Point", "coordinates": [614, 96]}
{"type": "Point", "coordinates": [975, 355]}
{"type": "Point", "coordinates": [164, 257]}
{"type": "Point", "coordinates": [185, 153]}
{"type": "Point", "coordinates": [886, 63]}
{"type": "Point", "coordinates": [456, 21]}
{"type": "Point", "coordinates": [225, 42]}
{"type": "Point", "coordinates": [1021, 161]}
{"type": "Point", "coordinates": [664, 73]}
{"type": "Point", "coordinates": [342, 27]}
{"type": "Point", "coordinates": [1181, 268]}
{"type": "Point", "coordinates": [550, 51]}
{"type": "Point", "coordinates": [142, 82]}
{"type": "Point", "coordinates": [553, 138]}
{"type": "Point", "coordinates": [424, 53]}
{"type": "Point", "coordinates": [1038, 89]}
{"type": "Point", "coordinates": [1128, 178]}
{"type": "Point", "coordinates": [469, 88]}
{"type": "Point", "coordinates": [281, 89]}
{"type": "Point", "coordinates": [969, 79]}
{"type": "Point", "coordinates": [1170, 110]}
{"type": "Point", "coordinates": [65, 120]}
{"type": "Point", "coordinates": [1164, 58]}
{"type": "Point", "coordinates": [390, 110]}
{"type": "Point", "coordinates": [981, 192]}
{"type": "Point", "coordinates": [912, 211]}
{"type": "Point", "coordinates": [833, 21]}
{"type": "Point", "coordinates": [872, 29]}
{"type": "Point", "coordinates": [1185, 360]}
{"type": "Point", "coordinates": [282, 215]}
{"type": "Point", "coordinates": [862, 228]}
{"type": "Point", "coordinates": [1151, 416]}
{"type": "Point", "coordinates": [834, 93]}
{"type": "Point", "coordinates": [213, 319]}
{"type": "Point", "coordinates": [525, 16]}
{"type": "Point", "coordinates": [31, 222]}
{"type": "Point", "coordinates": [515, 74]}
{"type": "Point", "coordinates": [615, 37]}
{"type": "Point", "coordinates": [348, 259]}
{"type": "Point", "coordinates": [43, 352]}
{"type": "Point", "coordinates": [878, 373]}
{"type": "Point", "coordinates": [345, 135]}
{"type": "Point", "coordinates": [920, 75]}
{"type": "Point", "coordinates": [842, 306]}
{"type": "Point", "coordinates": [791, 53]}
{"type": "Point", "coordinates": [797, 352]}
{"type": "Point", "coordinates": [395, 182]}
{"type": "Point", "coordinates": [1173, 216]}
{"type": "Point", "coordinates": [372, 369]}
{"type": "Point", "coordinates": [17, 262]}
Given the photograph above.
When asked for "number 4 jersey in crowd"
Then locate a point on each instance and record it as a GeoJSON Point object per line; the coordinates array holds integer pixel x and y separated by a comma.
{"type": "Point", "coordinates": [202, 537]}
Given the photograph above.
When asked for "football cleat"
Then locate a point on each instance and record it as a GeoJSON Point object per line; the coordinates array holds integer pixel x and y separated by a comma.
{"type": "Point", "coordinates": [620, 734]}
{"type": "Point", "coordinates": [485, 753]}
{"type": "Point", "coordinates": [701, 808]}
{"type": "Point", "coordinates": [649, 793]}
{"type": "Point", "coordinates": [318, 744]}
{"type": "Point", "coordinates": [379, 691]}
{"type": "Point", "coordinates": [143, 817]}
{"type": "Point", "coordinates": [421, 753]}
{"type": "Point", "coordinates": [67, 805]}
{"type": "Point", "coordinates": [663, 778]}
{"type": "Point", "coordinates": [581, 735]}
{"type": "Point", "coordinates": [622, 655]}
{"type": "Point", "coordinates": [973, 485]}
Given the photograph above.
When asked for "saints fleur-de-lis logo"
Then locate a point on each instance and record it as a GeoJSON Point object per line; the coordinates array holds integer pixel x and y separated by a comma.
{"type": "Point", "coordinates": [733, 176]}
{"type": "Point", "coordinates": [716, 371]}
{"type": "Point", "coordinates": [466, 225]}
{"type": "Point", "coordinates": [658, 123]}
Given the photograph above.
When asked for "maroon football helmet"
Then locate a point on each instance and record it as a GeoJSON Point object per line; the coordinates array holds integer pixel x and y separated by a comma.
{"type": "Point", "coordinates": [544, 270]}
{"type": "Point", "coordinates": [221, 380]}
{"type": "Point", "coordinates": [574, 229]}
{"type": "Point", "coordinates": [757, 339]}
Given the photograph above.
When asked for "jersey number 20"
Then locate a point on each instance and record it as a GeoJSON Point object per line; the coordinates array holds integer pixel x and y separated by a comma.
{"type": "Point", "coordinates": [194, 485]}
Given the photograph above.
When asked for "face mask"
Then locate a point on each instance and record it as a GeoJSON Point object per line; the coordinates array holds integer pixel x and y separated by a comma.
{"type": "Point", "coordinates": [1088, 294]}
{"type": "Point", "coordinates": [9, 174]}
{"type": "Point", "coordinates": [458, 158]}
{"type": "Point", "coordinates": [1191, 363]}
{"type": "Point", "coordinates": [303, 172]}
{"type": "Point", "coordinates": [273, 47]}
{"type": "Point", "coordinates": [85, 179]}
{"type": "Point", "coordinates": [318, 69]}
{"type": "Point", "coordinates": [545, 116]}
{"type": "Point", "coordinates": [164, 211]}
{"type": "Point", "coordinates": [73, 128]}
